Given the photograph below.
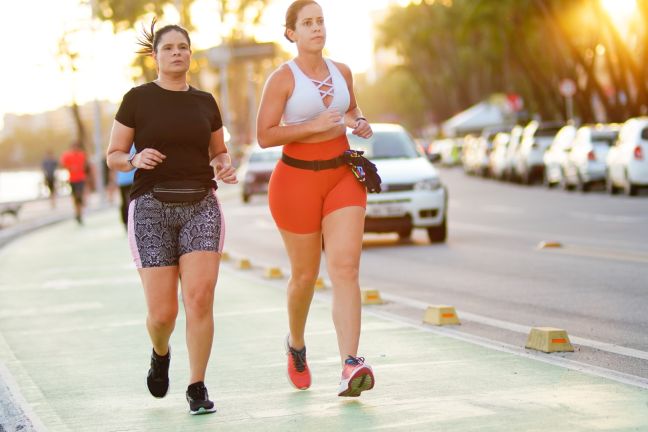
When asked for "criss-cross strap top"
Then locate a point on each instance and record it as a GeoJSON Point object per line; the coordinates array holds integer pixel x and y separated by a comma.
{"type": "Point", "coordinates": [307, 99]}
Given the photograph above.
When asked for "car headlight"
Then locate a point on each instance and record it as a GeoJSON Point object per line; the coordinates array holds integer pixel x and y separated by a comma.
{"type": "Point", "coordinates": [430, 184]}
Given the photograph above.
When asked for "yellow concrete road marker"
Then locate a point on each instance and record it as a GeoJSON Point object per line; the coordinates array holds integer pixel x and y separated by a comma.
{"type": "Point", "coordinates": [319, 284]}
{"type": "Point", "coordinates": [441, 315]}
{"type": "Point", "coordinates": [371, 297]}
{"type": "Point", "coordinates": [273, 273]}
{"type": "Point", "coordinates": [549, 339]}
{"type": "Point", "coordinates": [244, 264]}
{"type": "Point", "coordinates": [549, 245]}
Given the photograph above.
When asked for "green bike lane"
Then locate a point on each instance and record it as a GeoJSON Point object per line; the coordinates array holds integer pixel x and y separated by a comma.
{"type": "Point", "coordinates": [72, 339]}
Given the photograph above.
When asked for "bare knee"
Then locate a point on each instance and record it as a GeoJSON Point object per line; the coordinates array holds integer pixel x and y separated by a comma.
{"type": "Point", "coordinates": [343, 272]}
{"type": "Point", "coordinates": [199, 302]}
{"type": "Point", "coordinates": [303, 280]}
{"type": "Point", "coordinates": [163, 317]}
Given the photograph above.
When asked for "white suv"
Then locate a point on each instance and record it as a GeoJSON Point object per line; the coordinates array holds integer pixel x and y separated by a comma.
{"type": "Point", "coordinates": [627, 160]}
{"type": "Point", "coordinates": [412, 193]}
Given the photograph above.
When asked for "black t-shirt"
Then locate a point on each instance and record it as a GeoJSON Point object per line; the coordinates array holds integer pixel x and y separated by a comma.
{"type": "Point", "coordinates": [176, 123]}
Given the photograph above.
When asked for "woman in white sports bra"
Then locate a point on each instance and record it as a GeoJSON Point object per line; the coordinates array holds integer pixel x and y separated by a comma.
{"type": "Point", "coordinates": [307, 105]}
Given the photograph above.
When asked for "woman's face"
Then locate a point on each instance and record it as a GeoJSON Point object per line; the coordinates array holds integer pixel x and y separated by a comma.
{"type": "Point", "coordinates": [310, 32]}
{"type": "Point", "coordinates": [173, 54]}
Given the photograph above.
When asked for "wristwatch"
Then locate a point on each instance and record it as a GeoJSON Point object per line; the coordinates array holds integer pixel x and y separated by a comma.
{"type": "Point", "coordinates": [130, 159]}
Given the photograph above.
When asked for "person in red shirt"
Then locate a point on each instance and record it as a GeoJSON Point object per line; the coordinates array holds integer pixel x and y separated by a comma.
{"type": "Point", "coordinates": [75, 161]}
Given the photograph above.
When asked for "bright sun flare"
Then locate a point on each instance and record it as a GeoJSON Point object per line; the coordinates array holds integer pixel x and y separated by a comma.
{"type": "Point", "coordinates": [621, 11]}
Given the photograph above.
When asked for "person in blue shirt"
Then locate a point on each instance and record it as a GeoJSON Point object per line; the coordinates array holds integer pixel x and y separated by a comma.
{"type": "Point", "coordinates": [124, 181]}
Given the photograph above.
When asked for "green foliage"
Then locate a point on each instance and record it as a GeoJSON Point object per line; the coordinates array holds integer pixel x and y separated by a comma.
{"type": "Point", "coordinates": [461, 51]}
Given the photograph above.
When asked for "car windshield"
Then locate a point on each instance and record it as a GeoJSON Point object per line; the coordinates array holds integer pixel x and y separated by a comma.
{"type": "Point", "coordinates": [265, 156]}
{"type": "Point", "coordinates": [605, 139]}
{"type": "Point", "coordinates": [386, 145]}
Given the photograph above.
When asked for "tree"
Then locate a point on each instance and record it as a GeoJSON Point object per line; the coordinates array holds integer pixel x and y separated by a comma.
{"type": "Point", "coordinates": [461, 51]}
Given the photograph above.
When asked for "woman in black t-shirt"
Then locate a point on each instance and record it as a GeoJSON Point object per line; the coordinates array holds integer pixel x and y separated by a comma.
{"type": "Point", "coordinates": [175, 224]}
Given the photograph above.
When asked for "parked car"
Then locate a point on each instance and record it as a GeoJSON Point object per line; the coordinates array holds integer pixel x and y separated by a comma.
{"type": "Point", "coordinates": [256, 169]}
{"type": "Point", "coordinates": [447, 149]}
{"type": "Point", "coordinates": [586, 162]}
{"type": "Point", "coordinates": [536, 137]}
{"type": "Point", "coordinates": [413, 195]}
{"type": "Point", "coordinates": [512, 153]}
{"type": "Point", "coordinates": [497, 160]}
{"type": "Point", "coordinates": [627, 160]}
{"type": "Point", "coordinates": [556, 157]}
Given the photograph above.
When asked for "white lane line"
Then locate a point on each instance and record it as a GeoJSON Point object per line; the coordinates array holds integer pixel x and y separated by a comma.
{"type": "Point", "coordinates": [598, 217]}
{"type": "Point", "coordinates": [53, 310]}
{"type": "Point", "coordinates": [518, 328]}
{"type": "Point", "coordinates": [502, 209]}
{"type": "Point", "coordinates": [511, 349]}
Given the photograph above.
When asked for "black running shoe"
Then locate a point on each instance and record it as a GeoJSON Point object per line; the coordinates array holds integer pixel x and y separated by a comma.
{"type": "Point", "coordinates": [158, 375]}
{"type": "Point", "coordinates": [198, 399]}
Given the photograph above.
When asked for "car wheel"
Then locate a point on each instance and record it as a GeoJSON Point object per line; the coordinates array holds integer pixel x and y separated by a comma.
{"type": "Point", "coordinates": [438, 234]}
{"type": "Point", "coordinates": [609, 185]}
{"type": "Point", "coordinates": [629, 189]}
{"type": "Point", "coordinates": [582, 185]}
{"type": "Point", "coordinates": [545, 180]}
{"type": "Point", "coordinates": [405, 234]}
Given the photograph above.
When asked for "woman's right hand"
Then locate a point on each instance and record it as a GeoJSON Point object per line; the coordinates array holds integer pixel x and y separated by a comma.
{"type": "Point", "coordinates": [327, 120]}
{"type": "Point", "coordinates": [148, 159]}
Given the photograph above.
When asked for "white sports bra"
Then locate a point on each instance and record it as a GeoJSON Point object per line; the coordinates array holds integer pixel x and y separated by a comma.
{"type": "Point", "coordinates": [307, 99]}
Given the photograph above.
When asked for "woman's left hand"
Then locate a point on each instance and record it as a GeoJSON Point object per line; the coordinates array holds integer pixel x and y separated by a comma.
{"type": "Point", "coordinates": [224, 169]}
{"type": "Point", "coordinates": [362, 129]}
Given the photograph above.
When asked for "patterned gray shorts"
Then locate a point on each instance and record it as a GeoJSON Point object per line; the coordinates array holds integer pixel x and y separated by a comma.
{"type": "Point", "coordinates": [159, 233]}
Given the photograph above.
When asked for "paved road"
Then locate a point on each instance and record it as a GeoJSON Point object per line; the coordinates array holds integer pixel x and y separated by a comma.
{"type": "Point", "coordinates": [596, 286]}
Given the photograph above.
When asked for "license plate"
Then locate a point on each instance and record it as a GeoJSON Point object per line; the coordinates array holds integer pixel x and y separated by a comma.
{"type": "Point", "coordinates": [385, 210]}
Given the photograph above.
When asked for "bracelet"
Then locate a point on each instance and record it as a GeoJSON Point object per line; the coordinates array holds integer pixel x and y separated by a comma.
{"type": "Point", "coordinates": [361, 118]}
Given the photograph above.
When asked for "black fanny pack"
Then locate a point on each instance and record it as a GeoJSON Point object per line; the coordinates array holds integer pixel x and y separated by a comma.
{"type": "Point", "coordinates": [363, 169]}
{"type": "Point", "coordinates": [180, 191]}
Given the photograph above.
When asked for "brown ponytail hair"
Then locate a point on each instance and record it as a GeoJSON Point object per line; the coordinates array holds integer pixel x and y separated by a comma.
{"type": "Point", "coordinates": [292, 12]}
{"type": "Point", "coordinates": [149, 40]}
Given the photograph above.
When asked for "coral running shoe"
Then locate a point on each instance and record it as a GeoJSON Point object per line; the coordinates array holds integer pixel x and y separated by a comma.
{"type": "Point", "coordinates": [357, 376]}
{"type": "Point", "coordinates": [298, 373]}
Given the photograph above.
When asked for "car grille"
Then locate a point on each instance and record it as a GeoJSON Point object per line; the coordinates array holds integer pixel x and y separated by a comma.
{"type": "Point", "coordinates": [397, 187]}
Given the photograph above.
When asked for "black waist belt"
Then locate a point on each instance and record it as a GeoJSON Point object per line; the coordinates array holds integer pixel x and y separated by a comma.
{"type": "Point", "coordinates": [316, 165]}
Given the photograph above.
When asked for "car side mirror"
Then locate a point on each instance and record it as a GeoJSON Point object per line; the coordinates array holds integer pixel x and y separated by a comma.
{"type": "Point", "coordinates": [644, 134]}
{"type": "Point", "coordinates": [434, 157]}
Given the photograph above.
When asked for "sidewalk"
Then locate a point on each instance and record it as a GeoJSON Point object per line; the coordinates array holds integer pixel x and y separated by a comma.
{"type": "Point", "coordinates": [72, 336]}
{"type": "Point", "coordinates": [39, 213]}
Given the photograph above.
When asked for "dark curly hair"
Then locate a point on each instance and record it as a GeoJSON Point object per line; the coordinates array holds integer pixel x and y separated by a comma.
{"type": "Point", "coordinates": [149, 40]}
{"type": "Point", "coordinates": [292, 12]}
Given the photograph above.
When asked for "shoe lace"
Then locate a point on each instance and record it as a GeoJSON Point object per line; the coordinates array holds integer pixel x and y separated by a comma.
{"type": "Point", "coordinates": [198, 392]}
{"type": "Point", "coordinates": [351, 360]}
{"type": "Point", "coordinates": [298, 358]}
{"type": "Point", "coordinates": [160, 367]}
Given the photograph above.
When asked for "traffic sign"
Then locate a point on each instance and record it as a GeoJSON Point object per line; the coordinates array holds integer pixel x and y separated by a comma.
{"type": "Point", "coordinates": [567, 87]}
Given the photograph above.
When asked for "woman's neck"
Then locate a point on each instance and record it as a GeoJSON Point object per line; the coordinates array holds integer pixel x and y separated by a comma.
{"type": "Point", "coordinates": [311, 63]}
{"type": "Point", "coordinates": [175, 83]}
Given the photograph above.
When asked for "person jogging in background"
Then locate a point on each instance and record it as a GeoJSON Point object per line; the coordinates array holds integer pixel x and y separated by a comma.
{"type": "Point", "coordinates": [49, 166]}
{"type": "Point", "coordinates": [307, 104]}
{"type": "Point", "coordinates": [124, 181]}
{"type": "Point", "coordinates": [76, 162]}
{"type": "Point", "coordinates": [175, 222]}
